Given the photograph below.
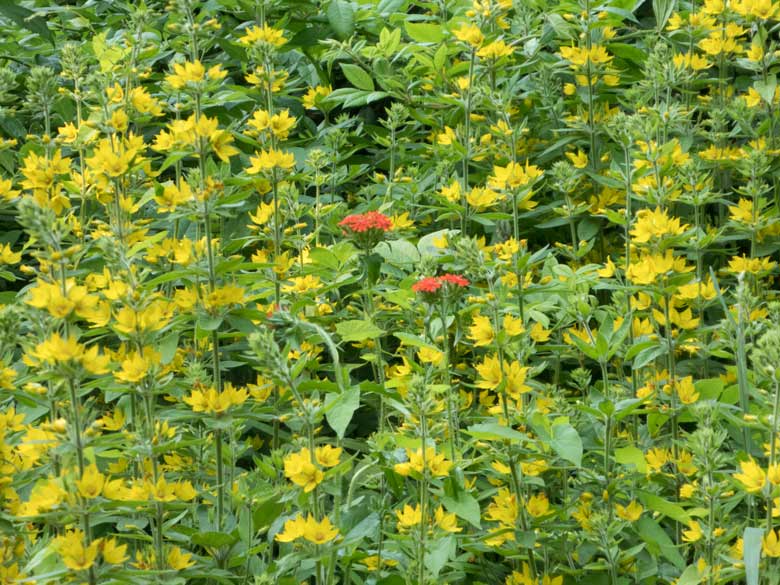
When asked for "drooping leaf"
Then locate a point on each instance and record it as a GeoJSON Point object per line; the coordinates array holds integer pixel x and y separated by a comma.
{"type": "Point", "coordinates": [357, 330]}
{"type": "Point", "coordinates": [339, 409]}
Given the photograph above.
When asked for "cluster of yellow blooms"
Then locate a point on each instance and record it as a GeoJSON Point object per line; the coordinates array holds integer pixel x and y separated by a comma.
{"type": "Point", "coordinates": [508, 273]}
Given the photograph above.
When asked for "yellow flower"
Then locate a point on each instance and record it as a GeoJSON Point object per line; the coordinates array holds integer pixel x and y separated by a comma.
{"type": "Point", "coordinates": [211, 401]}
{"type": "Point", "coordinates": [697, 289]}
{"type": "Point", "coordinates": [179, 560]}
{"type": "Point", "coordinates": [579, 159]}
{"type": "Point", "coordinates": [145, 103]}
{"type": "Point", "coordinates": [91, 483]}
{"type": "Point", "coordinates": [314, 96]}
{"type": "Point", "coordinates": [481, 331]}
{"type": "Point", "coordinates": [495, 50]}
{"type": "Point", "coordinates": [538, 505]}
{"type": "Point", "coordinates": [408, 517]}
{"type": "Point", "coordinates": [193, 72]}
{"type": "Point", "coordinates": [631, 512]}
{"type": "Point", "coordinates": [75, 554]}
{"type": "Point", "coordinates": [469, 33]}
{"type": "Point", "coordinates": [446, 137]}
{"type": "Point", "coordinates": [56, 351]}
{"type": "Point", "coordinates": [752, 478]}
{"type": "Point", "coordinates": [490, 373]}
{"type": "Point", "coordinates": [608, 271]}
{"type": "Point", "coordinates": [539, 334]}
{"type": "Point", "coordinates": [281, 124]}
{"type": "Point", "coordinates": [173, 196]}
{"type": "Point", "coordinates": [430, 355]}
{"type": "Point", "coordinates": [327, 456]}
{"type": "Point", "coordinates": [686, 391]}
{"type": "Point", "coordinates": [655, 224]}
{"type": "Point", "coordinates": [293, 529]}
{"type": "Point", "coordinates": [694, 532]}
{"type": "Point", "coordinates": [68, 133]}
{"type": "Point", "coordinates": [687, 490]}
{"type": "Point", "coordinates": [5, 190]}
{"type": "Point", "coordinates": [739, 264]}
{"type": "Point", "coordinates": [656, 458]}
{"type": "Point", "coordinates": [446, 521]}
{"type": "Point", "coordinates": [8, 256]}
{"type": "Point", "coordinates": [319, 532]}
{"type": "Point", "coordinates": [303, 284]}
{"type": "Point", "coordinates": [771, 544]}
{"type": "Point", "coordinates": [512, 326]}
{"type": "Point", "coordinates": [773, 474]}
{"type": "Point", "coordinates": [268, 160]}
{"type": "Point", "coordinates": [113, 552]}
{"type": "Point", "coordinates": [299, 469]}
{"type": "Point", "coordinates": [401, 221]}
{"type": "Point", "coordinates": [438, 465]}
{"type": "Point", "coordinates": [263, 34]}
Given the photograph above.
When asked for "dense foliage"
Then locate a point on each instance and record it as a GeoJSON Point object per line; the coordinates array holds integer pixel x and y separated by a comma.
{"type": "Point", "coordinates": [389, 292]}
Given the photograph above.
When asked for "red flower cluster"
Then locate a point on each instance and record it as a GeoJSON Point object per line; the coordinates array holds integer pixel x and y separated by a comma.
{"type": "Point", "coordinates": [455, 280]}
{"type": "Point", "coordinates": [432, 284]}
{"type": "Point", "coordinates": [429, 284]}
{"type": "Point", "coordinates": [362, 222]}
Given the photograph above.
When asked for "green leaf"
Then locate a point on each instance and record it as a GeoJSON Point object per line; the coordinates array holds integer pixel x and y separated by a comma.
{"type": "Point", "coordinates": [413, 340]}
{"type": "Point", "coordinates": [463, 506]}
{"type": "Point", "coordinates": [709, 389]}
{"type": "Point", "coordinates": [658, 504]}
{"type": "Point", "coordinates": [26, 18]}
{"type": "Point", "coordinates": [363, 529]}
{"type": "Point", "coordinates": [213, 539]}
{"type": "Point", "coordinates": [168, 346]}
{"type": "Point", "coordinates": [357, 330]}
{"type": "Point", "coordinates": [690, 576]}
{"type": "Point", "coordinates": [766, 89]}
{"type": "Point", "coordinates": [341, 16]}
{"type": "Point", "coordinates": [399, 252]}
{"type": "Point", "coordinates": [567, 443]}
{"type": "Point", "coordinates": [439, 553]}
{"type": "Point", "coordinates": [265, 513]}
{"type": "Point", "coordinates": [663, 10]}
{"type": "Point", "coordinates": [751, 553]}
{"type": "Point", "coordinates": [631, 456]}
{"type": "Point", "coordinates": [357, 76]}
{"type": "Point", "coordinates": [339, 409]}
{"type": "Point", "coordinates": [647, 355]}
{"type": "Point", "coordinates": [494, 432]}
{"type": "Point", "coordinates": [424, 32]}
{"type": "Point", "coordinates": [658, 541]}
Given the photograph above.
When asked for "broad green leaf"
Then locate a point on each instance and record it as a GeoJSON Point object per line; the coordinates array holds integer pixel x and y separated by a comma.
{"type": "Point", "coordinates": [341, 16]}
{"type": "Point", "coordinates": [665, 507]}
{"type": "Point", "coordinates": [265, 513]}
{"type": "Point", "coordinates": [631, 456]}
{"type": "Point", "coordinates": [26, 18]}
{"type": "Point", "coordinates": [357, 76]}
{"type": "Point", "coordinates": [766, 89]}
{"type": "Point", "coordinates": [357, 330]}
{"type": "Point", "coordinates": [424, 32]}
{"type": "Point", "coordinates": [213, 539]}
{"type": "Point", "coordinates": [751, 553]}
{"type": "Point", "coordinates": [439, 553]}
{"type": "Point", "coordinates": [658, 541]}
{"type": "Point", "coordinates": [339, 409]}
{"type": "Point", "coordinates": [567, 443]}
{"type": "Point", "coordinates": [399, 252]}
{"type": "Point", "coordinates": [709, 389]}
{"type": "Point", "coordinates": [690, 576]}
{"type": "Point", "coordinates": [464, 506]}
{"type": "Point", "coordinates": [494, 432]}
